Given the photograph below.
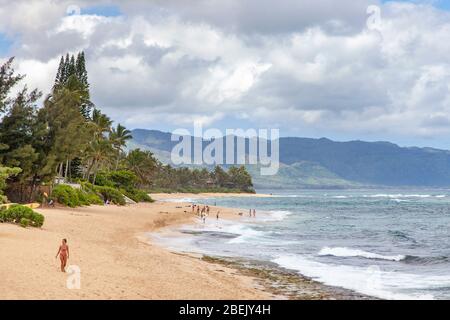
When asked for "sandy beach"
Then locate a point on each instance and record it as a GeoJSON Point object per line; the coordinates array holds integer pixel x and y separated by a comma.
{"type": "Point", "coordinates": [115, 264]}
{"type": "Point", "coordinates": [118, 261]}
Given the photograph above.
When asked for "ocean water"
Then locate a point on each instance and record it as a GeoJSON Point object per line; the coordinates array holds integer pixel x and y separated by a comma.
{"type": "Point", "coordinates": [390, 244]}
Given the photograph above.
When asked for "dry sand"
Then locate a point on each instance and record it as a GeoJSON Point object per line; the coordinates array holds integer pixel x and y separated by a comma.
{"type": "Point", "coordinates": [115, 264]}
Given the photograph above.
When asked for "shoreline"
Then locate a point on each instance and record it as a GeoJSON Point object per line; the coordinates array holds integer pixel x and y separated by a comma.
{"type": "Point", "coordinates": [117, 260]}
{"type": "Point", "coordinates": [281, 282]}
{"type": "Point", "coordinates": [286, 283]}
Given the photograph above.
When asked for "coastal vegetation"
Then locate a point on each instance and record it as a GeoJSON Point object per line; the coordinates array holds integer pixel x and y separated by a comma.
{"type": "Point", "coordinates": [235, 179]}
{"type": "Point", "coordinates": [62, 148]}
{"type": "Point", "coordinates": [22, 215]}
{"type": "Point", "coordinates": [72, 197]}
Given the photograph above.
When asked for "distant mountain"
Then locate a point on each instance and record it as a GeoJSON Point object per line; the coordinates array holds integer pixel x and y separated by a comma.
{"type": "Point", "coordinates": [156, 141]}
{"type": "Point", "coordinates": [323, 163]}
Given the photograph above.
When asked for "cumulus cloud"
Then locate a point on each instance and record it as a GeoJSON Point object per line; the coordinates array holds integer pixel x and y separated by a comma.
{"type": "Point", "coordinates": [292, 64]}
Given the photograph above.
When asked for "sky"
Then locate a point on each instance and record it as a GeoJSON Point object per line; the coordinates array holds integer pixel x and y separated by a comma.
{"type": "Point", "coordinates": [347, 70]}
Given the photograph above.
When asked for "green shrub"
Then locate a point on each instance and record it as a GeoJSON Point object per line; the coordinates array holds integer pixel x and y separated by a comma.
{"type": "Point", "coordinates": [88, 187]}
{"type": "Point", "coordinates": [102, 179]}
{"type": "Point", "coordinates": [123, 179]}
{"type": "Point", "coordinates": [24, 222]}
{"type": "Point", "coordinates": [94, 198]}
{"type": "Point", "coordinates": [87, 198]}
{"type": "Point", "coordinates": [38, 220]}
{"type": "Point", "coordinates": [137, 195]}
{"type": "Point", "coordinates": [23, 215]}
{"type": "Point", "coordinates": [66, 195]}
{"type": "Point", "coordinates": [123, 182]}
{"type": "Point", "coordinates": [71, 197]}
{"type": "Point", "coordinates": [3, 216]}
{"type": "Point", "coordinates": [111, 194]}
{"type": "Point", "coordinates": [143, 196]}
{"type": "Point", "coordinates": [113, 185]}
{"type": "Point", "coordinates": [82, 197]}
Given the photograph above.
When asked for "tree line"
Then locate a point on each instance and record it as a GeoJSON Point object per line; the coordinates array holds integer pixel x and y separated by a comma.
{"type": "Point", "coordinates": [68, 137]}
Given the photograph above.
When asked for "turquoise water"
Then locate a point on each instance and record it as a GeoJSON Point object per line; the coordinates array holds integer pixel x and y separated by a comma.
{"type": "Point", "coordinates": [392, 244]}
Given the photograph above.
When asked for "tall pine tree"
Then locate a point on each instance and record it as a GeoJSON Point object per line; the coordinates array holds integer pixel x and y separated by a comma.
{"type": "Point", "coordinates": [71, 66]}
{"type": "Point", "coordinates": [59, 74]}
{"type": "Point", "coordinates": [81, 73]}
{"type": "Point", "coordinates": [65, 72]}
{"type": "Point", "coordinates": [72, 75]}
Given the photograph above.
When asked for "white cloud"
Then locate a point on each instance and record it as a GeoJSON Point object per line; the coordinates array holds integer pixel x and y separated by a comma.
{"type": "Point", "coordinates": [228, 85]}
{"type": "Point", "coordinates": [294, 64]}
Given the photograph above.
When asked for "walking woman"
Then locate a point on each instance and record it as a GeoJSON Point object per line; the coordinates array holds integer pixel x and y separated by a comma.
{"type": "Point", "coordinates": [63, 253]}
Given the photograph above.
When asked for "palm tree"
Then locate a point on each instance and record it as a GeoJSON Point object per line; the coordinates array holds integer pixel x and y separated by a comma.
{"type": "Point", "coordinates": [102, 123]}
{"type": "Point", "coordinates": [143, 164]}
{"type": "Point", "coordinates": [119, 137]}
{"type": "Point", "coordinates": [99, 153]}
{"type": "Point", "coordinates": [100, 148]}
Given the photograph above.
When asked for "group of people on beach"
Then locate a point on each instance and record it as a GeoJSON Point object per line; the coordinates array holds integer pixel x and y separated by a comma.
{"type": "Point", "coordinates": [203, 212]}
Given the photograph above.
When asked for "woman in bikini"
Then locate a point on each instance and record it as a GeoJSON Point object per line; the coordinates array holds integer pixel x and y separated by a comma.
{"type": "Point", "coordinates": [63, 253]}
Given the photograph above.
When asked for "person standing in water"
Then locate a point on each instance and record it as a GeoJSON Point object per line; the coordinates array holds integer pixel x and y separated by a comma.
{"type": "Point", "coordinates": [63, 253]}
{"type": "Point", "coordinates": [254, 213]}
{"type": "Point", "coordinates": [217, 216]}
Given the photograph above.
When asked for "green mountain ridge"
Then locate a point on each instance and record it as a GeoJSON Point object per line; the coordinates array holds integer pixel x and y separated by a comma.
{"type": "Point", "coordinates": [303, 174]}
{"type": "Point", "coordinates": [323, 163]}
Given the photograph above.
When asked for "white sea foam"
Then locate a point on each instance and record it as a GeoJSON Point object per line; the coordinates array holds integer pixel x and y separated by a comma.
{"type": "Point", "coordinates": [383, 196]}
{"type": "Point", "coordinates": [397, 196]}
{"type": "Point", "coordinates": [245, 233]}
{"type": "Point", "coordinates": [348, 252]}
{"type": "Point", "coordinates": [278, 215]}
{"type": "Point", "coordinates": [417, 196]}
{"type": "Point", "coordinates": [400, 200]}
{"type": "Point", "coordinates": [340, 197]}
{"type": "Point", "coordinates": [370, 281]}
{"type": "Point", "coordinates": [302, 196]}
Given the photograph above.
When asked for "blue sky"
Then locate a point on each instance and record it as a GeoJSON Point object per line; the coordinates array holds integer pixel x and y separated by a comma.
{"type": "Point", "coordinates": [102, 10]}
{"type": "Point", "coordinates": [441, 4]}
{"type": "Point", "coordinates": [5, 44]}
